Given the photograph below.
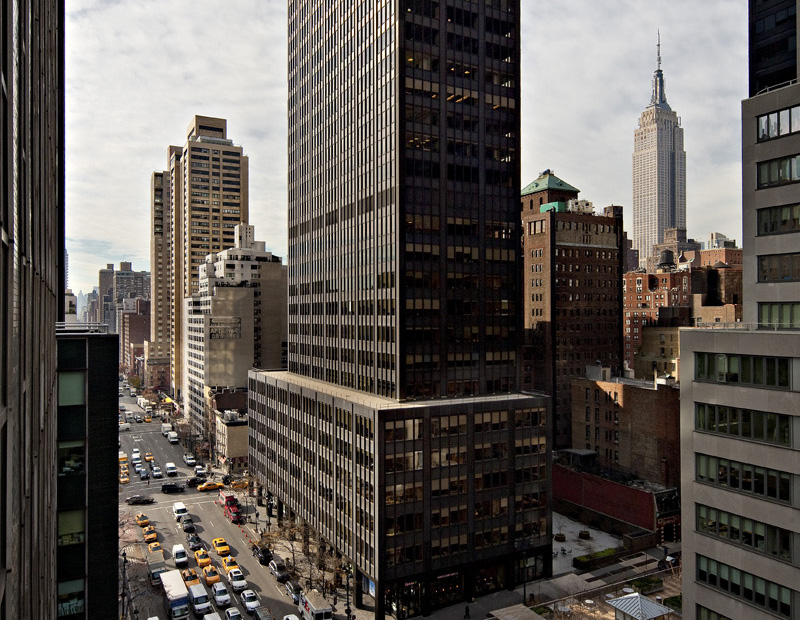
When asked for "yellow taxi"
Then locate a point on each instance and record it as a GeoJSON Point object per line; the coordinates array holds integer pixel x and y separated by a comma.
{"type": "Point", "coordinates": [202, 558]}
{"type": "Point", "coordinates": [210, 574]}
{"type": "Point", "coordinates": [190, 577]}
{"type": "Point", "coordinates": [141, 519]}
{"type": "Point", "coordinates": [155, 547]}
{"type": "Point", "coordinates": [220, 546]}
{"type": "Point", "coordinates": [123, 469]}
{"type": "Point", "coordinates": [229, 563]}
{"type": "Point", "coordinates": [123, 478]}
{"type": "Point", "coordinates": [148, 417]}
{"type": "Point", "coordinates": [210, 486]}
{"type": "Point", "coordinates": [148, 456]}
{"type": "Point", "coordinates": [239, 484]}
{"type": "Point", "coordinates": [150, 534]}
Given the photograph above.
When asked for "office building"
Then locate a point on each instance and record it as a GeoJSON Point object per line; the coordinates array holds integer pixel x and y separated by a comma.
{"type": "Point", "coordinates": [32, 285]}
{"type": "Point", "coordinates": [572, 302]}
{"type": "Point", "coordinates": [157, 346]}
{"type": "Point", "coordinates": [86, 511]}
{"type": "Point", "coordinates": [659, 171]}
{"type": "Point", "coordinates": [208, 194]}
{"type": "Point", "coordinates": [772, 43]}
{"type": "Point", "coordinates": [399, 434]}
{"type": "Point", "coordinates": [740, 401]}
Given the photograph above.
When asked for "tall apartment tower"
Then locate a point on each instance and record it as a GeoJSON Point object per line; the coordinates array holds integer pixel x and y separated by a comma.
{"type": "Point", "coordinates": [399, 434]}
{"type": "Point", "coordinates": [32, 284]}
{"type": "Point", "coordinates": [740, 383]}
{"type": "Point", "coordinates": [659, 171]}
{"type": "Point", "coordinates": [572, 266]}
{"type": "Point", "coordinates": [157, 346]}
{"type": "Point", "coordinates": [208, 193]}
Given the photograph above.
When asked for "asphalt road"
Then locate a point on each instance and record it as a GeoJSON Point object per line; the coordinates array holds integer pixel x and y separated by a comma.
{"type": "Point", "coordinates": [207, 515]}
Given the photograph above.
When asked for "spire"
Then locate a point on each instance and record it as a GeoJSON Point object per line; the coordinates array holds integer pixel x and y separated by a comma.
{"type": "Point", "coordinates": [659, 97]}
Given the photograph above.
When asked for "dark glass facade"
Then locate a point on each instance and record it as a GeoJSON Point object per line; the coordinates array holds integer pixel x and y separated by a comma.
{"type": "Point", "coordinates": [773, 43]}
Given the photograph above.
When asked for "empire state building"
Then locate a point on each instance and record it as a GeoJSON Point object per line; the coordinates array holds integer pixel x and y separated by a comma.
{"type": "Point", "coordinates": [659, 171]}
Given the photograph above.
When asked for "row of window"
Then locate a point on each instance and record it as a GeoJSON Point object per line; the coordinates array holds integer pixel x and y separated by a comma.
{"type": "Point", "coordinates": [778, 172]}
{"type": "Point", "coordinates": [740, 584]}
{"type": "Point", "coordinates": [755, 535]}
{"type": "Point", "coordinates": [779, 267]}
{"type": "Point", "coordinates": [744, 423]}
{"type": "Point", "coordinates": [751, 479]}
{"type": "Point", "coordinates": [742, 369]}
{"type": "Point", "coordinates": [780, 123]}
{"type": "Point", "coordinates": [781, 315]}
{"type": "Point", "coordinates": [775, 220]}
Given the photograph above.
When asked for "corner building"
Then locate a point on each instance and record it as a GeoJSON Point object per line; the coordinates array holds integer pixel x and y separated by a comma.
{"type": "Point", "coordinates": [398, 433]}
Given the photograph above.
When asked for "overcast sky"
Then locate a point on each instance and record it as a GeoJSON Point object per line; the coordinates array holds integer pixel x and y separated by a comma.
{"type": "Point", "coordinates": [138, 71]}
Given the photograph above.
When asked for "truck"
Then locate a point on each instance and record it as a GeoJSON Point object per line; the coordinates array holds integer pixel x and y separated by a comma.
{"type": "Point", "coordinates": [172, 437]}
{"type": "Point", "coordinates": [166, 428]}
{"type": "Point", "coordinates": [230, 506]}
{"type": "Point", "coordinates": [313, 607]}
{"type": "Point", "coordinates": [176, 596]}
{"type": "Point", "coordinates": [156, 566]}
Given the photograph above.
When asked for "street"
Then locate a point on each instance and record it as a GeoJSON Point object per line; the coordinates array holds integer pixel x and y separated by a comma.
{"type": "Point", "coordinates": [207, 515]}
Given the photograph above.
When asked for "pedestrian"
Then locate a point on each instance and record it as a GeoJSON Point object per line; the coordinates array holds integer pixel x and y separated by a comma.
{"type": "Point", "coordinates": [466, 611]}
{"type": "Point", "coordinates": [148, 480]}
{"type": "Point", "coordinates": [334, 600]}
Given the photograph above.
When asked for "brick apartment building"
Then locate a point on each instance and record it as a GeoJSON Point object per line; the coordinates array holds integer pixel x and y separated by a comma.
{"type": "Point", "coordinates": [572, 300]}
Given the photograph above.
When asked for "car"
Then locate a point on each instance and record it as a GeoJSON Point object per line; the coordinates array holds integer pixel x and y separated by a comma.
{"type": "Point", "coordinates": [187, 523]}
{"type": "Point", "coordinates": [155, 546]}
{"type": "Point", "coordinates": [229, 563]}
{"type": "Point", "coordinates": [135, 452]}
{"type": "Point", "coordinates": [293, 589]}
{"type": "Point", "coordinates": [210, 486]}
{"type": "Point", "coordinates": [194, 481]}
{"type": "Point", "coordinates": [189, 459]}
{"type": "Point", "coordinates": [137, 467]}
{"type": "Point", "coordinates": [150, 534]}
{"type": "Point", "coordinates": [283, 576]}
{"type": "Point", "coordinates": [141, 519]}
{"type": "Point", "coordinates": [220, 546]}
{"type": "Point", "coordinates": [211, 574]}
{"type": "Point", "coordinates": [220, 594]}
{"type": "Point", "coordinates": [143, 474]}
{"type": "Point", "coordinates": [262, 554]}
{"type": "Point", "coordinates": [202, 558]}
{"type": "Point", "coordinates": [199, 470]}
{"type": "Point", "coordinates": [139, 500]}
{"type": "Point", "coordinates": [239, 484]}
{"type": "Point", "coordinates": [138, 419]}
{"type": "Point", "coordinates": [190, 577]}
{"type": "Point", "coordinates": [123, 469]}
{"type": "Point", "coordinates": [157, 473]}
{"type": "Point", "coordinates": [233, 614]}
{"type": "Point", "coordinates": [171, 487]}
{"type": "Point", "coordinates": [250, 600]}
{"type": "Point", "coordinates": [237, 580]}
{"type": "Point", "coordinates": [148, 417]}
{"type": "Point", "coordinates": [123, 478]}
{"type": "Point", "coordinates": [148, 456]}
{"type": "Point", "coordinates": [195, 542]}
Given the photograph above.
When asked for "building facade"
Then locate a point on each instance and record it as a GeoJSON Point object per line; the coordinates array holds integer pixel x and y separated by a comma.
{"type": "Point", "coordinates": [740, 427]}
{"type": "Point", "coordinates": [659, 171]}
{"type": "Point", "coordinates": [134, 330]}
{"type": "Point", "coordinates": [398, 434]}
{"type": "Point", "coordinates": [86, 471]}
{"type": "Point", "coordinates": [157, 346]}
{"type": "Point", "coordinates": [32, 284]}
{"type": "Point", "coordinates": [572, 302]}
{"type": "Point", "coordinates": [208, 194]}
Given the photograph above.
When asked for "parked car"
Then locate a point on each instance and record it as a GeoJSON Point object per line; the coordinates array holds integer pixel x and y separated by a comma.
{"type": "Point", "coordinates": [171, 487]}
{"type": "Point", "coordinates": [138, 500]}
{"type": "Point", "coordinates": [189, 459]}
{"type": "Point", "coordinates": [293, 589]}
{"type": "Point", "coordinates": [262, 554]}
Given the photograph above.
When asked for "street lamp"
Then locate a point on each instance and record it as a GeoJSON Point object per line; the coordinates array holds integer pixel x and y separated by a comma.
{"type": "Point", "coordinates": [347, 609]}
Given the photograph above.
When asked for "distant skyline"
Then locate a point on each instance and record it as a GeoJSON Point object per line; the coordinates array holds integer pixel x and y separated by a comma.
{"type": "Point", "coordinates": [137, 73]}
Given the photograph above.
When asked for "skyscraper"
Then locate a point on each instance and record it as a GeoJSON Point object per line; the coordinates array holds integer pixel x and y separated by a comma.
{"type": "Point", "coordinates": [772, 43]}
{"type": "Point", "coordinates": [208, 194]}
{"type": "Point", "coordinates": [740, 383]}
{"type": "Point", "coordinates": [659, 171]}
{"type": "Point", "coordinates": [32, 284]}
{"type": "Point", "coordinates": [399, 434]}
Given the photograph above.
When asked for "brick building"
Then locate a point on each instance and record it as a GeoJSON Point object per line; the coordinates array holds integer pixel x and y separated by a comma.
{"type": "Point", "coordinates": [572, 301]}
{"type": "Point", "coordinates": [675, 241]}
{"type": "Point", "coordinates": [134, 330]}
{"type": "Point", "coordinates": [709, 258]}
{"type": "Point", "coordinates": [632, 425]}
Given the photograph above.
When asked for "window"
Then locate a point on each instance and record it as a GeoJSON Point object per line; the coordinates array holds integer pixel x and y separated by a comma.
{"type": "Point", "coordinates": [779, 267]}
{"type": "Point", "coordinates": [746, 424]}
{"type": "Point", "coordinates": [71, 597]}
{"type": "Point", "coordinates": [735, 529]}
{"type": "Point", "coordinates": [780, 315]}
{"type": "Point", "coordinates": [743, 369]}
{"type": "Point", "coordinates": [778, 172]}
{"type": "Point", "coordinates": [765, 483]}
{"type": "Point", "coordinates": [71, 457]}
{"type": "Point", "coordinates": [71, 527]}
{"type": "Point", "coordinates": [777, 124]}
{"type": "Point", "coordinates": [71, 389]}
{"type": "Point", "coordinates": [777, 220]}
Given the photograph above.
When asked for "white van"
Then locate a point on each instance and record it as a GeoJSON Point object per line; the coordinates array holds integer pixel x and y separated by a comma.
{"type": "Point", "coordinates": [172, 437]}
{"type": "Point", "coordinates": [198, 597]}
{"type": "Point", "coordinates": [179, 511]}
{"type": "Point", "coordinates": [124, 426]}
{"type": "Point", "coordinates": [179, 554]}
{"type": "Point", "coordinates": [166, 427]}
{"type": "Point", "coordinates": [170, 469]}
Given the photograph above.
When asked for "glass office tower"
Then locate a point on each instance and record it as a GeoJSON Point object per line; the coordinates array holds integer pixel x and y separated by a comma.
{"type": "Point", "coordinates": [399, 433]}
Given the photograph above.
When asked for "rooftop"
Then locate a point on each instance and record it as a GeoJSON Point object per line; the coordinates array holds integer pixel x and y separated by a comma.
{"type": "Point", "coordinates": [548, 180]}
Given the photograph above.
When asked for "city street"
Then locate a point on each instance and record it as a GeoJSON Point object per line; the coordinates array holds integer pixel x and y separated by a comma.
{"type": "Point", "coordinates": [207, 515]}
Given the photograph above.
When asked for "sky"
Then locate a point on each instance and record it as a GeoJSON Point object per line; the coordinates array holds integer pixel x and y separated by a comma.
{"type": "Point", "coordinates": [136, 73]}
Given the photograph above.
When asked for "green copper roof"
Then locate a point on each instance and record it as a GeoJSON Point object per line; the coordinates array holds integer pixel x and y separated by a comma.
{"type": "Point", "coordinates": [547, 180]}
